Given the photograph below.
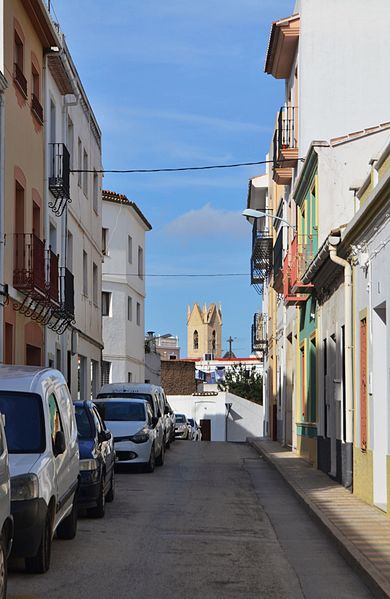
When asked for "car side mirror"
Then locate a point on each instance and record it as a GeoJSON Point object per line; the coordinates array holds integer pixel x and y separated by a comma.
{"type": "Point", "coordinates": [154, 421]}
{"type": "Point", "coordinates": [104, 436]}
{"type": "Point", "coordinates": [59, 443]}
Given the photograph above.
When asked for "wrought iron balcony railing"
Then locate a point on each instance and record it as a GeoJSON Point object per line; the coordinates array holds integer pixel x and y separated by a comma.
{"type": "Point", "coordinates": [261, 259]}
{"type": "Point", "coordinates": [302, 250]}
{"type": "Point", "coordinates": [29, 263]}
{"type": "Point", "coordinates": [36, 108]}
{"type": "Point", "coordinates": [285, 145]}
{"type": "Point", "coordinates": [59, 174]}
{"type": "Point", "coordinates": [20, 79]}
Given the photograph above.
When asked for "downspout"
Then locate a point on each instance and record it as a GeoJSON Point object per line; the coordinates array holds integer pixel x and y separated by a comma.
{"type": "Point", "coordinates": [348, 353]}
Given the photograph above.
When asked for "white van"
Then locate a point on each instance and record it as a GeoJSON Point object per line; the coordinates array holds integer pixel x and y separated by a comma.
{"type": "Point", "coordinates": [41, 436]}
{"type": "Point", "coordinates": [150, 393]}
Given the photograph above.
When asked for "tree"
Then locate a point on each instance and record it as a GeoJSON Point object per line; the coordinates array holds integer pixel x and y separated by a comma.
{"type": "Point", "coordinates": [244, 383]}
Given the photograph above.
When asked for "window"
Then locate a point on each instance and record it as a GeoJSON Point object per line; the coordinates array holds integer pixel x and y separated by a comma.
{"type": "Point", "coordinates": [35, 82]}
{"type": "Point", "coordinates": [79, 161]}
{"type": "Point", "coordinates": [85, 273]}
{"type": "Point", "coordinates": [106, 303]}
{"type": "Point", "coordinates": [106, 373]}
{"type": "Point", "coordinates": [129, 308]}
{"type": "Point", "coordinates": [69, 251]}
{"type": "Point", "coordinates": [95, 284]}
{"type": "Point", "coordinates": [95, 198]}
{"type": "Point", "coordinates": [55, 418]}
{"type": "Point", "coordinates": [53, 238]}
{"type": "Point", "coordinates": [130, 249]}
{"type": "Point", "coordinates": [85, 173]}
{"type": "Point", "coordinates": [213, 341]}
{"type": "Point", "coordinates": [104, 241]}
{"type": "Point", "coordinates": [27, 434]}
{"type": "Point", "coordinates": [19, 77]}
{"type": "Point", "coordinates": [70, 140]}
{"type": "Point", "coordinates": [140, 262]}
{"type": "Point", "coordinates": [129, 377]}
{"type": "Point", "coordinates": [138, 313]}
{"type": "Point", "coordinates": [196, 340]}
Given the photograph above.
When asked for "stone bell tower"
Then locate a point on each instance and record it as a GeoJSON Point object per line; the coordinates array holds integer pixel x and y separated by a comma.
{"type": "Point", "coordinates": [204, 331]}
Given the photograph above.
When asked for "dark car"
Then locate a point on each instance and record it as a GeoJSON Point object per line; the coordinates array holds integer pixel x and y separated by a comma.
{"type": "Point", "coordinates": [97, 460]}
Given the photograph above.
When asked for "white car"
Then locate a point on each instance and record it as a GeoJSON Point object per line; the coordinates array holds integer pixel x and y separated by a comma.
{"type": "Point", "coordinates": [196, 433]}
{"type": "Point", "coordinates": [133, 427]}
{"type": "Point", "coordinates": [153, 394]}
{"type": "Point", "coordinates": [41, 436]}
{"type": "Point", "coordinates": [182, 430]}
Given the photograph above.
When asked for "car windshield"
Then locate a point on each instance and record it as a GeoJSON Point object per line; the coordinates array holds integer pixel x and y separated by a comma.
{"type": "Point", "coordinates": [121, 411]}
{"type": "Point", "coordinates": [146, 396]}
{"type": "Point", "coordinates": [180, 418]}
{"type": "Point", "coordinates": [83, 423]}
{"type": "Point", "coordinates": [24, 423]}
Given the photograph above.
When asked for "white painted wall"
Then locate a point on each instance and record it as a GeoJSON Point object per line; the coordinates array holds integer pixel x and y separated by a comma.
{"type": "Point", "coordinates": [124, 339]}
{"type": "Point", "coordinates": [245, 418]}
{"type": "Point", "coordinates": [343, 78]}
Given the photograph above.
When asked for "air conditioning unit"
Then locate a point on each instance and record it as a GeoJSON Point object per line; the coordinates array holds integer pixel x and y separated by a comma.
{"type": "Point", "coordinates": [208, 357]}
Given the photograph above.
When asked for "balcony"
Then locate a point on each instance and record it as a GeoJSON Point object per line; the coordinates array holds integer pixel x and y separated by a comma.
{"type": "Point", "coordinates": [29, 264]}
{"type": "Point", "coordinates": [302, 250]}
{"type": "Point", "coordinates": [261, 260]}
{"type": "Point", "coordinates": [277, 283]}
{"type": "Point", "coordinates": [285, 145]}
{"type": "Point", "coordinates": [36, 108]}
{"type": "Point", "coordinates": [59, 174]}
{"type": "Point", "coordinates": [20, 80]}
{"type": "Point", "coordinates": [259, 332]}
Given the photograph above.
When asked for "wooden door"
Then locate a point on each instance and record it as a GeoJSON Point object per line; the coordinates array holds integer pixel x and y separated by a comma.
{"type": "Point", "coordinates": [205, 426]}
{"type": "Point", "coordinates": [363, 384]}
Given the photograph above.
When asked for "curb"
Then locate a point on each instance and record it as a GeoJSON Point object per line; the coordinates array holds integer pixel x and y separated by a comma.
{"type": "Point", "coordinates": [378, 585]}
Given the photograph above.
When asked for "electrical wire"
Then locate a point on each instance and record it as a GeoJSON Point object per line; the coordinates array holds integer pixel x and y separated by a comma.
{"type": "Point", "coordinates": [182, 168]}
{"type": "Point", "coordinates": [219, 274]}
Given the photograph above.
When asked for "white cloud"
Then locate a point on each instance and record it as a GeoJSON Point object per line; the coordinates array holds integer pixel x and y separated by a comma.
{"type": "Point", "coordinates": [207, 221]}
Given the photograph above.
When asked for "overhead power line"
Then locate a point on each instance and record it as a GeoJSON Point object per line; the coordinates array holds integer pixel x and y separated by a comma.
{"type": "Point", "coordinates": [181, 168]}
{"type": "Point", "coordinates": [219, 274]}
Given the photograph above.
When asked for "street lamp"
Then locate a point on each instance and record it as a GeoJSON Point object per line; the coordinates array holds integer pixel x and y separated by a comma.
{"type": "Point", "coordinates": [260, 213]}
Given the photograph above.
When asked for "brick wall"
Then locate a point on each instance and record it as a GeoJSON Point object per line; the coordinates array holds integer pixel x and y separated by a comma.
{"type": "Point", "coordinates": [178, 377]}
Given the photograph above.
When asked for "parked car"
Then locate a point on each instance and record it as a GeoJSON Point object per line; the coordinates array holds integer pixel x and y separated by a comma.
{"type": "Point", "coordinates": [41, 436]}
{"type": "Point", "coordinates": [196, 433]}
{"type": "Point", "coordinates": [169, 423]}
{"type": "Point", "coordinates": [133, 426]}
{"type": "Point", "coordinates": [150, 393]}
{"type": "Point", "coordinates": [6, 520]}
{"type": "Point", "coordinates": [97, 460]}
{"type": "Point", "coordinates": [182, 430]}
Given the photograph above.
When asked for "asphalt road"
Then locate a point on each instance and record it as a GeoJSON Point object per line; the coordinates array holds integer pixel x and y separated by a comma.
{"type": "Point", "coordinates": [215, 522]}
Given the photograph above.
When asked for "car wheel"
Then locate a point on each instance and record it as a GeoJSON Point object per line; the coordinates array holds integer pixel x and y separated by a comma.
{"type": "Point", "coordinates": [3, 568]}
{"type": "Point", "coordinates": [99, 510]}
{"type": "Point", "coordinates": [160, 458]}
{"type": "Point", "coordinates": [149, 467]}
{"type": "Point", "coordinates": [40, 563]}
{"type": "Point", "coordinates": [68, 527]}
{"type": "Point", "coordinates": [111, 492]}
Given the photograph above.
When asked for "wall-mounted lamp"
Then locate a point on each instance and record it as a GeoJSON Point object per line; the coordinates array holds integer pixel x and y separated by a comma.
{"type": "Point", "coordinates": [250, 212]}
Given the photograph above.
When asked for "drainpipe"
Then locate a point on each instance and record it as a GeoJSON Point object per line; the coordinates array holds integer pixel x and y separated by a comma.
{"type": "Point", "coordinates": [333, 242]}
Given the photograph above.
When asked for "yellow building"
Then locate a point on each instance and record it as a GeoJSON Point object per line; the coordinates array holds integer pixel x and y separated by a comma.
{"type": "Point", "coordinates": [204, 331]}
{"type": "Point", "coordinates": [28, 34]}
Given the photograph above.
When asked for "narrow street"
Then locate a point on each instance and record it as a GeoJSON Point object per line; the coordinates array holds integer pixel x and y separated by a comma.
{"type": "Point", "coordinates": [215, 521]}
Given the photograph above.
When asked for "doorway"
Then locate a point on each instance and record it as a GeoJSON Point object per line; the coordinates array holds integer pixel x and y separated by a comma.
{"type": "Point", "coordinates": [380, 402]}
{"type": "Point", "coordinates": [205, 426]}
{"type": "Point", "coordinates": [33, 355]}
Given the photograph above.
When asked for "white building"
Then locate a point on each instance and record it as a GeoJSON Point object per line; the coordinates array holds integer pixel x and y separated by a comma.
{"type": "Point", "coordinates": [222, 416]}
{"type": "Point", "coordinates": [123, 290]}
{"type": "Point", "coordinates": [73, 217]}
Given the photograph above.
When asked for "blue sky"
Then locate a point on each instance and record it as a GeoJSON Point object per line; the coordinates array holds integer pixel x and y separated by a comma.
{"type": "Point", "coordinates": [181, 83]}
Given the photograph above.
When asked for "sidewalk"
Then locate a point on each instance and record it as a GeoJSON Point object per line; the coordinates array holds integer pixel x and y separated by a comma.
{"type": "Point", "coordinates": [361, 532]}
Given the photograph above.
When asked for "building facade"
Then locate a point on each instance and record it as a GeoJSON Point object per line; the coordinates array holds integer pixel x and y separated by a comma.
{"type": "Point", "coordinates": [319, 150]}
{"type": "Point", "coordinates": [123, 290]}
